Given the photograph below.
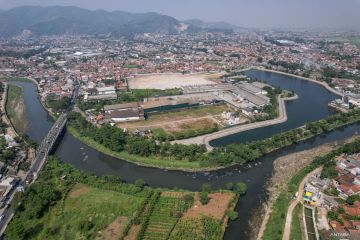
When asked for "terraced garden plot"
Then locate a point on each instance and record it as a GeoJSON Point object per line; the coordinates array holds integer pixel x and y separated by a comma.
{"type": "Point", "coordinates": [204, 228]}
{"type": "Point", "coordinates": [163, 218]}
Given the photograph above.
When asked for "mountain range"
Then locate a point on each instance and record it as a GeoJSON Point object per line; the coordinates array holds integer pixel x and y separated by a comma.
{"type": "Point", "coordinates": [60, 20]}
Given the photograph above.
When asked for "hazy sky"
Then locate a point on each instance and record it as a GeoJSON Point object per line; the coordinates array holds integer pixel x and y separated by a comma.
{"type": "Point", "coordinates": [247, 13]}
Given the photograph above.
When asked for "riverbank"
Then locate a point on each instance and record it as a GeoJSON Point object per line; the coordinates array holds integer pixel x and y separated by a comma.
{"type": "Point", "coordinates": [286, 169]}
{"type": "Point", "coordinates": [15, 108]}
{"type": "Point", "coordinates": [324, 84]}
{"type": "Point", "coordinates": [206, 139]}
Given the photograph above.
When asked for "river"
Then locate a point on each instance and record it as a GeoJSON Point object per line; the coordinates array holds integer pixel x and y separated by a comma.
{"type": "Point", "coordinates": [311, 105]}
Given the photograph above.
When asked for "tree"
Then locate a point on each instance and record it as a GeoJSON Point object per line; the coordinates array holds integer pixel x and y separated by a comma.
{"type": "Point", "coordinates": [240, 188]}
{"type": "Point", "coordinates": [232, 214]}
{"type": "Point", "coordinates": [352, 199]}
{"type": "Point", "coordinates": [204, 198]}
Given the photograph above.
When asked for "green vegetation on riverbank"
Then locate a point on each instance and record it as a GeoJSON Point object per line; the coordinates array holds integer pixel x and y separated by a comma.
{"type": "Point", "coordinates": [276, 222]}
{"type": "Point", "coordinates": [46, 209]}
{"type": "Point", "coordinates": [296, 233]}
{"type": "Point", "coordinates": [57, 103]}
{"type": "Point", "coordinates": [15, 108]}
{"type": "Point", "coordinates": [66, 203]}
{"type": "Point", "coordinates": [194, 157]}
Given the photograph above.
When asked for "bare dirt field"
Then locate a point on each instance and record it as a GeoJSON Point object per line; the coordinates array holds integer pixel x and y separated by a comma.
{"type": "Point", "coordinates": [115, 229]}
{"type": "Point", "coordinates": [173, 80]}
{"type": "Point", "coordinates": [187, 119]}
{"type": "Point", "coordinates": [216, 207]}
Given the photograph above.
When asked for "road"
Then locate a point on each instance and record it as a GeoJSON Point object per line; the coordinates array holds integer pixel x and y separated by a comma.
{"type": "Point", "coordinates": [289, 215]}
{"type": "Point", "coordinates": [206, 139]}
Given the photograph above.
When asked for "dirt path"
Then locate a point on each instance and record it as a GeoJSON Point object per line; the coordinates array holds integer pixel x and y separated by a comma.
{"type": "Point", "coordinates": [205, 139]}
{"type": "Point", "coordinates": [289, 215]}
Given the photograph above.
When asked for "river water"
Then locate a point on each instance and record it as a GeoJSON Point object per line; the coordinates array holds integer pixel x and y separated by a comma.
{"type": "Point", "coordinates": [311, 105]}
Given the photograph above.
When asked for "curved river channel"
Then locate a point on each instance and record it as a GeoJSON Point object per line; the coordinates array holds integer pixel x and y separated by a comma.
{"type": "Point", "coordinates": [310, 106]}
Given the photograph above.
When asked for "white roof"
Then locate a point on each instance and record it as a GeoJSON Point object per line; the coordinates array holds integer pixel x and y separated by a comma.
{"type": "Point", "coordinates": [103, 89]}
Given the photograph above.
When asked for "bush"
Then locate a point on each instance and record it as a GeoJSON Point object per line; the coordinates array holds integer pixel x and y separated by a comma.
{"type": "Point", "coordinates": [240, 188]}
{"type": "Point", "coordinates": [188, 198]}
{"type": "Point", "coordinates": [206, 188]}
{"type": "Point", "coordinates": [204, 198]}
{"type": "Point", "coordinates": [232, 215]}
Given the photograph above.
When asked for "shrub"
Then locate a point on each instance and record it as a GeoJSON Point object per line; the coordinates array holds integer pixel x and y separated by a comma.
{"type": "Point", "coordinates": [204, 198]}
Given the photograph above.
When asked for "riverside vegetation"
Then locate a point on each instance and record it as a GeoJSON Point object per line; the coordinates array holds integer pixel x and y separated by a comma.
{"type": "Point", "coordinates": [280, 207]}
{"type": "Point", "coordinates": [146, 151]}
{"type": "Point", "coordinates": [66, 203]}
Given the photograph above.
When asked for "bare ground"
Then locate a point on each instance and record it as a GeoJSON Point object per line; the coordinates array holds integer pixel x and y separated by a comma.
{"type": "Point", "coordinates": [172, 80]}
{"type": "Point", "coordinates": [115, 229]}
{"type": "Point", "coordinates": [216, 207]}
{"type": "Point", "coordinates": [78, 191]}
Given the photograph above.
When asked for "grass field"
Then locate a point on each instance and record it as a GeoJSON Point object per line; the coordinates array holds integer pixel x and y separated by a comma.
{"type": "Point", "coordinates": [86, 207]}
{"type": "Point", "coordinates": [15, 108]}
{"type": "Point", "coordinates": [65, 203]}
{"type": "Point", "coordinates": [295, 226]}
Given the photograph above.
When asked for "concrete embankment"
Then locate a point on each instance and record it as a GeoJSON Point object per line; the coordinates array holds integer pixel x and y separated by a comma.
{"type": "Point", "coordinates": [324, 84]}
{"type": "Point", "coordinates": [206, 139]}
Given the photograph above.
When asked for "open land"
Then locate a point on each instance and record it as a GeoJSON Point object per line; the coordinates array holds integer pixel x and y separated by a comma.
{"type": "Point", "coordinates": [175, 80]}
{"type": "Point", "coordinates": [186, 119]}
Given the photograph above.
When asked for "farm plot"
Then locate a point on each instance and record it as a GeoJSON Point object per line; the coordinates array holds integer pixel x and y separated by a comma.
{"type": "Point", "coordinates": [204, 228]}
{"type": "Point", "coordinates": [164, 216]}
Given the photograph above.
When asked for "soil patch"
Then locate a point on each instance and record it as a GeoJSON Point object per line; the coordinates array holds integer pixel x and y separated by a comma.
{"type": "Point", "coordinates": [216, 207]}
{"type": "Point", "coordinates": [115, 229]}
{"type": "Point", "coordinates": [133, 232]}
{"type": "Point", "coordinates": [78, 191]}
{"type": "Point", "coordinates": [174, 80]}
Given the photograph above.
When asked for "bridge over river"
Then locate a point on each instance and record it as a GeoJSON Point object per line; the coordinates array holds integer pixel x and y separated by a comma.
{"type": "Point", "coordinates": [45, 148]}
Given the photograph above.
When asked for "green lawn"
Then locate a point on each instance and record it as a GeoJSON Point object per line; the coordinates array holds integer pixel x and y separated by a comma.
{"type": "Point", "coordinates": [295, 225]}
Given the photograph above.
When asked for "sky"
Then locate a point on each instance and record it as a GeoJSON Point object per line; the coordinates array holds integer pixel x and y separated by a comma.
{"type": "Point", "coordinates": [319, 14]}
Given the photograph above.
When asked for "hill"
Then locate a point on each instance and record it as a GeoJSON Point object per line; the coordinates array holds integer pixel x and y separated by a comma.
{"type": "Point", "coordinates": [60, 20]}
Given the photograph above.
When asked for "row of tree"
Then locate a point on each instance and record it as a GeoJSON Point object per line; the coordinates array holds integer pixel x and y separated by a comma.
{"type": "Point", "coordinates": [116, 140]}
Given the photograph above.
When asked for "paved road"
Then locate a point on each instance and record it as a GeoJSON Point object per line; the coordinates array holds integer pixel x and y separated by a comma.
{"type": "Point", "coordinates": [289, 215]}
{"type": "Point", "coordinates": [206, 139]}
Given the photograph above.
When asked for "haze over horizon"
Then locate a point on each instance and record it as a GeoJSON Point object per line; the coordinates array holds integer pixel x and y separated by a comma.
{"type": "Point", "coordinates": [319, 14]}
